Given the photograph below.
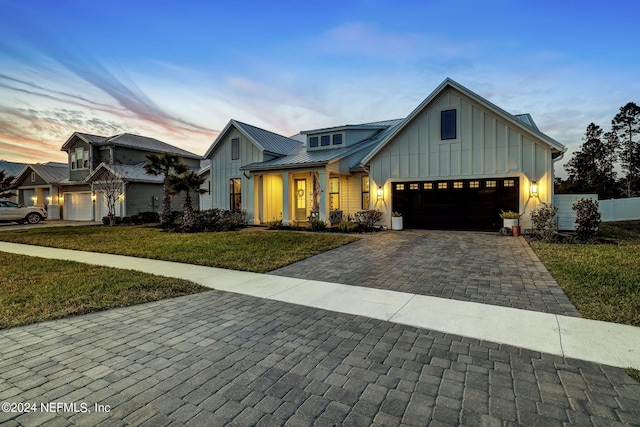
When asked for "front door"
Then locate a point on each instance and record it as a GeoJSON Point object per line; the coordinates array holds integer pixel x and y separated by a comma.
{"type": "Point", "coordinates": [301, 199]}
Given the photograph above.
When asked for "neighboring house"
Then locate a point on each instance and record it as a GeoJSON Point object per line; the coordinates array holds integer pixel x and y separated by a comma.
{"type": "Point", "coordinates": [40, 185]}
{"type": "Point", "coordinates": [12, 169]}
{"type": "Point", "coordinates": [453, 163]}
{"type": "Point", "coordinates": [206, 201]}
{"type": "Point", "coordinates": [97, 163]}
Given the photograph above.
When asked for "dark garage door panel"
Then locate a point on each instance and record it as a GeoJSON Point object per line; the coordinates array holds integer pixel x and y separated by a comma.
{"type": "Point", "coordinates": [438, 205]}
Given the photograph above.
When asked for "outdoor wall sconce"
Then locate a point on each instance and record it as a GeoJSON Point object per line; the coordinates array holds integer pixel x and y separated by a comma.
{"type": "Point", "coordinates": [380, 193]}
{"type": "Point", "coordinates": [534, 189]}
{"type": "Point", "coordinates": [34, 199]}
{"type": "Point", "coordinates": [93, 197]}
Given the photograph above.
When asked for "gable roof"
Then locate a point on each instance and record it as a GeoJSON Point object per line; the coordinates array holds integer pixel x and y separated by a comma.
{"type": "Point", "coordinates": [11, 168]}
{"type": "Point", "coordinates": [130, 140]}
{"type": "Point", "coordinates": [51, 172]}
{"type": "Point", "coordinates": [134, 173]}
{"type": "Point", "coordinates": [266, 141]}
{"type": "Point", "coordinates": [522, 122]}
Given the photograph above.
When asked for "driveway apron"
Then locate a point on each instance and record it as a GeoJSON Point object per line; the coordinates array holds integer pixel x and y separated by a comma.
{"type": "Point", "coordinates": [469, 266]}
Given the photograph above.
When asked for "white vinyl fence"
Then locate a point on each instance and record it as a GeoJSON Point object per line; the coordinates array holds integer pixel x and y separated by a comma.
{"type": "Point", "coordinates": [611, 210]}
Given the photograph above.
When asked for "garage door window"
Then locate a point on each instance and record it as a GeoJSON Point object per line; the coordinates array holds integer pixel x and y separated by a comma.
{"type": "Point", "coordinates": [490, 184]}
{"type": "Point", "coordinates": [442, 186]}
{"type": "Point", "coordinates": [474, 184]}
{"type": "Point", "coordinates": [457, 185]}
{"type": "Point", "coordinates": [400, 187]}
{"type": "Point", "coordinates": [414, 186]}
{"type": "Point", "coordinates": [427, 186]}
{"type": "Point", "coordinates": [509, 183]}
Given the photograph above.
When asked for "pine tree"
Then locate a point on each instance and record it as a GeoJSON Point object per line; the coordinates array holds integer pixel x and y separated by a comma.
{"type": "Point", "coordinates": [626, 125]}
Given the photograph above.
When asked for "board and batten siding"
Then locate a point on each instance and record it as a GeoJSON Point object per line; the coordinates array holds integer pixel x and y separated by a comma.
{"type": "Point", "coordinates": [485, 146]}
{"type": "Point", "coordinates": [223, 169]}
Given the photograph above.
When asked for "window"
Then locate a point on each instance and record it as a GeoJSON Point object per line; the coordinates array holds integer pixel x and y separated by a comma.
{"type": "Point", "coordinates": [457, 185]}
{"type": "Point", "coordinates": [235, 203]}
{"type": "Point", "coordinates": [413, 186]}
{"type": "Point", "coordinates": [365, 192]}
{"type": "Point", "coordinates": [427, 186]}
{"type": "Point", "coordinates": [490, 184]}
{"type": "Point", "coordinates": [313, 141]}
{"type": "Point", "coordinates": [235, 148]}
{"type": "Point", "coordinates": [448, 124]}
{"type": "Point", "coordinates": [400, 187]}
{"type": "Point", "coordinates": [337, 139]}
{"type": "Point", "coordinates": [442, 186]}
{"type": "Point", "coordinates": [509, 183]}
{"type": "Point", "coordinates": [33, 177]}
{"type": "Point", "coordinates": [474, 184]}
{"type": "Point", "coordinates": [80, 159]}
{"type": "Point", "coordinates": [334, 193]}
{"type": "Point", "coordinates": [324, 140]}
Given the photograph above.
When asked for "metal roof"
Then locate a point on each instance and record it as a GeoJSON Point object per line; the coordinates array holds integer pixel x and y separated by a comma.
{"type": "Point", "coordinates": [135, 173]}
{"type": "Point", "coordinates": [53, 174]}
{"type": "Point", "coordinates": [91, 139]}
{"type": "Point", "coordinates": [267, 141]}
{"type": "Point", "coordinates": [380, 125]}
{"type": "Point", "coordinates": [304, 158]}
{"type": "Point", "coordinates": [11, 168]}
{"type": "Point", "coordinates": [527, 120]}
{"type": "Point", "coordinates": [146, 144]}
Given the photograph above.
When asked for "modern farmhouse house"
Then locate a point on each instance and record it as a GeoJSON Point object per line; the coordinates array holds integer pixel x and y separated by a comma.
{"type": "Point", "coordinates": [453, 163]}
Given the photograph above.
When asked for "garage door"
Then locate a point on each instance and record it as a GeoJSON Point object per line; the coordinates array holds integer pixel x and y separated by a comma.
{"type": "Point", "coordinates": [470, 204]}
{"type": "Point", "coordinates": [78, 206]}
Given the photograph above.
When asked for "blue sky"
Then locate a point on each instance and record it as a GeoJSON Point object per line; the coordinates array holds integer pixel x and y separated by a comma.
{"type": "Point", "coordinates": [178, 71]}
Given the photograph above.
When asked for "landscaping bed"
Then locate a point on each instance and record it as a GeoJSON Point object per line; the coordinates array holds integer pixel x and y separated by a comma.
{"type": "Point", "coordinates": [36, 289]}
{"type": "Point", "coordinates": [602, 280]}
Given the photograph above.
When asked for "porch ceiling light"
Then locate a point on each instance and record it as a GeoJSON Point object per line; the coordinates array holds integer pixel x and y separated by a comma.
{"type": "Point", "coordinates": [380, 193]}
{"type": "Point", "coordinates": [534, 189]}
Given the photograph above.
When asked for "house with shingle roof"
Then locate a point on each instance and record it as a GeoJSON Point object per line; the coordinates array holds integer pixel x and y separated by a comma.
{"type": "Point", "coordinates": [454, 162]}
{"type": "Point", "coordinates": [94, 160]}
{"type": "Point", "coordinates": [38, 184]}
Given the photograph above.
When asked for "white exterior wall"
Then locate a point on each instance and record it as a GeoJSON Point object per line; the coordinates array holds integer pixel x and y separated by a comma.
{"type": "Point", "coordinates": [223, 169]}
{"type": "Point", "coordinates": [486, 146]}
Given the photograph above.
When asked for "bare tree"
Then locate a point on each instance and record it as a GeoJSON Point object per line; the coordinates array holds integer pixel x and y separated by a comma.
{"type": "Point", "coordinates": [111, 184]}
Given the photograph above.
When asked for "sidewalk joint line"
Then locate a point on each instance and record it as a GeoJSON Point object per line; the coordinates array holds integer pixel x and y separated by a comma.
{"type": "Point", "coordinates": [560, 335]}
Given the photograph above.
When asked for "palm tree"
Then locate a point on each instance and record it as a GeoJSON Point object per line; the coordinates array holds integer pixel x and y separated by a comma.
{"type": "Point", "coordinates": [5, 184]}
{"type": "Point", "coordinates": [187, 182]}
{"type": "Point", "coordinates": [164, 165]}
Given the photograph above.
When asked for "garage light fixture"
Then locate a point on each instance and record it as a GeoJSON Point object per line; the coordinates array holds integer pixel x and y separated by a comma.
{"type": "Point", "coordinates": [380, 193]}
{"type": "Point", "coordinates": [534, 189]}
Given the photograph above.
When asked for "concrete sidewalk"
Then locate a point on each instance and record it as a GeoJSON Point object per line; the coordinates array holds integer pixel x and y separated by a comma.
{"type": "Point", "coordinates": [569, 337]}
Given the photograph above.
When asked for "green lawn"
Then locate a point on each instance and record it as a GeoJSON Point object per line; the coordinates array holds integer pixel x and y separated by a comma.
{"type": "Point", "coordinates": [249, 250]}
{"type": "Point", "coordinates": [603, 280]}
{"type": "Point", "coordinates": [36, 289]}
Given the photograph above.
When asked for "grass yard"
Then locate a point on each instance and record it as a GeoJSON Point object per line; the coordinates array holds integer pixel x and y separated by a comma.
{"type": "Point", "coordinates": [248, 250]}
{"type": "Point", "coordinates": [35, 289]}
{"type": "Point", "coordinates": [603, 280]}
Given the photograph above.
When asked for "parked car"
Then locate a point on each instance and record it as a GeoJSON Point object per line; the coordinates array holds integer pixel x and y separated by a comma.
{"type": "Point", "coordinates": [13, 212]}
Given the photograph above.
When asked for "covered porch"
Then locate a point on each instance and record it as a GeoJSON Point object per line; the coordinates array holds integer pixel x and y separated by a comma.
{"type": "Point", "coordinates": [298, 195]}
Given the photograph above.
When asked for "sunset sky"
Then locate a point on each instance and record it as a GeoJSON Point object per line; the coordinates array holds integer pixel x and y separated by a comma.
{"type": "Point", "coordinates": [179, 70]}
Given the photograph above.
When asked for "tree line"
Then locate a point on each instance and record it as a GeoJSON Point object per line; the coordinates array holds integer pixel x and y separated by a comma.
{"type": "Point", "coordinates": [592, 169]}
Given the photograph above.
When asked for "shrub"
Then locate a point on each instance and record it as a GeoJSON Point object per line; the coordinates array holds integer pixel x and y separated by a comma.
{"type": "Point", "coordinates": [146, 218]}
{"type": "Point", "coordinates": [347, 226]}
{"type": "Point", "coordinates": [218, 220]}
{"type": "Point", "coordinates": [543, 221]}
{"type": "Point", "coordinates": [126, 220]}
{"type": "Point", "coordinates": [316, 224]}
{"type": "Point", "coordinates": [587, 219]}
{"type": "Point", "coordinates": [368, 219]}
{"type": "Point", "coordinates": [275, 224]}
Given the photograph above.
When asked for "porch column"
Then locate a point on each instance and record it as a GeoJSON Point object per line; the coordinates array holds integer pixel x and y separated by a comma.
{"type": "Point", "coordinates": [285, 197]}
{"type": "Point", "coordinates": [250, 201]}
{"type": "Point", "coordinates": [324, 197]}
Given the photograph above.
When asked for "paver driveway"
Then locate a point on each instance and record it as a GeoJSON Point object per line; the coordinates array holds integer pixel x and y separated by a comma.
{"type": "Point", "coordinates": [468, 266]}
{"type": "Point", "coordinates": [217, 358]}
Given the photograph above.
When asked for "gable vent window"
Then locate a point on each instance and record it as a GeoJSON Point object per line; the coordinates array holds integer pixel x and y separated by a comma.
{"type": "Point", "coordinates": [33, 177]}
{"type": "Point", "coordinates": [324, 140]}
{"type": "Point", "coordinates": [313, 141]}
{"type": "Point", "coordinates": [235, 148]}
{"type": "Point", "coordinates": [337, 139]}
{"type": "Point", "coordinates": [448, 124]}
